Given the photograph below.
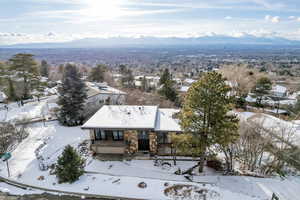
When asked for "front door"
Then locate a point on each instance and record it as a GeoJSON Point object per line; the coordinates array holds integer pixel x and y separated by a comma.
{"type": "Point", "coordinates": [143, 137]}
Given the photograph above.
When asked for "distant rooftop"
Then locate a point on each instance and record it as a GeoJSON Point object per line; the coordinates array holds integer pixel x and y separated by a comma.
{"type": "Point", "coordinates": [101, 88]}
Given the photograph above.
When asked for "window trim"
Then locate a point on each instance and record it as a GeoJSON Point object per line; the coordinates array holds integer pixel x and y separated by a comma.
{"type": "Point", "coordinates": [119, 135]}
{"type": "Point", "coordinates": [100, 134]}
{"type": "Point", "coordinates": [165, 138]}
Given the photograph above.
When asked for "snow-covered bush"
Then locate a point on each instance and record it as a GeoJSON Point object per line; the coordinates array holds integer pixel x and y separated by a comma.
{"type": "Point", "coordinates": [69, 166]}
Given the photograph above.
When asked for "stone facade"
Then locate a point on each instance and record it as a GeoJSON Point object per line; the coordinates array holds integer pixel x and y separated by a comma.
{"type": "Point", "coordinates": [153, 143]}
{"type": "Point", "coordinates": [131, 137]}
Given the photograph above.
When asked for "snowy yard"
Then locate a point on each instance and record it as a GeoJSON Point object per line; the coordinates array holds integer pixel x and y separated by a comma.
{"type": "Point", "coordinates": [30, 111]}
{"type": "Point", "coordinates": [121, 178]}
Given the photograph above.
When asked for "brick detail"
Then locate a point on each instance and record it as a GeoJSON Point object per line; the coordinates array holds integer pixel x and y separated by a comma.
{"type": "Point", "coordinates": [153, 142]}
{"type": "Point", "coordinates": [131, 137]}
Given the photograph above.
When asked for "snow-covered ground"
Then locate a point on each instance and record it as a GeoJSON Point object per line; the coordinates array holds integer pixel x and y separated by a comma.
{"type": "Point", "coordinates": [121, 178]}
{"type": "Point", "coordinates": [30, 111]}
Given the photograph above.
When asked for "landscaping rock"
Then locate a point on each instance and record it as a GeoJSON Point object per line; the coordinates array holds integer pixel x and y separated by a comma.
{"type": "Point", "coordinates": [142, 185]}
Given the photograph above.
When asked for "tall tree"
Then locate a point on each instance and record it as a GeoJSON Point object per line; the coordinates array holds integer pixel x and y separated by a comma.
{"type": "Point", "coordinates": [262, 88]}
{"type": "Point", "coordinates": [205, 113]}
{"type": "Point", "coordinates": [44, 68]}
{"type": "Point", "coordinates": [97, 73]}
{"type": "Point", "coordinates": [72, 96]}
{"type": "Point", "coordinates": [144, 85]}
{"type": "Point", "coordinates": [26, 68]}
{"type": "Point", "coordinates": [11, 91]}
{"type": "Point", "coordinates": [168, 90]}
{"type": "Point", "coordinates": [166, 76]}
{"type": "Point", "coordinates": [127, 79]}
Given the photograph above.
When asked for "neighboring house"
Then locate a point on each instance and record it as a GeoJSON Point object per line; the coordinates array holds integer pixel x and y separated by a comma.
{"type": "Point", "coordinates": [279, 91]}
{"type": "Point", "coordinates": [152, 81]}
{"type": "Point", "coordinates": [189, 81]}
{"type": "Point", "coordinates": [100, 93]}
{"type": "Point", "coordinates": [122, 129]}
{"type": "Point", "coordinates": [184, 89]}
{"type": "Point", "coordinates": [3, 97]}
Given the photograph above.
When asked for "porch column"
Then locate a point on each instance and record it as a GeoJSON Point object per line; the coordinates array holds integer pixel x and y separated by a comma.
{"type": "Point", "coordinates": [153, 142]}
{"type": "Point", "coordinates": [132, 138]}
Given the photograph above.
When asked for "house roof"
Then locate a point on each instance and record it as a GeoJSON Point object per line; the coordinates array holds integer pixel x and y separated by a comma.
{"type": "Point", "coordinates": [279, 89]}
{"type": "Point", "coordinates": [165, 120]}
{"type": "Point", "coordinates": [97, 88]}
{"type": "Point", "coordinates": [133, 117]}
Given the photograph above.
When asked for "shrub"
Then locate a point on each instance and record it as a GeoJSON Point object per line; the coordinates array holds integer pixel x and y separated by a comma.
{"type": "Point", "coordinates": [69, 166]}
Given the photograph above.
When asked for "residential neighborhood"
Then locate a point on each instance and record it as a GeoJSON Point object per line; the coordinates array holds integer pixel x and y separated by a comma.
{"type": "Point", "coordinates": [149, 100]}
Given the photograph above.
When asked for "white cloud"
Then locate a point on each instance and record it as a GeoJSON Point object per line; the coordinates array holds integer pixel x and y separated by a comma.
{"type": "Point", "coordinates": [272, 19]}
{"type": "Point", "coordinates": [228, 18]}
{"type": "Point", "coordinates": [292, 17]}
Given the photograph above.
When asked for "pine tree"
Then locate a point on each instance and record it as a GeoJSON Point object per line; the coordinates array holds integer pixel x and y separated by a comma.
{"type": "Point", "coordinates": [166, 76]}
{"type": "Point", "coordinates": [205, 113]}
{"type": "Point", "coordinates": [44, 68]}
{"type": "Point", "coordinates": [97, 73]}
{"type": "Point", "coordinates": [144, 85]}
{"type": "Point", "coordinates": [11, 90]}
{"type": "Point", "coordinates": [69, 166]}
{"type": "Point", "coordinates": [127, 79]}
{"type": "Point", "coordinates": [262, 88]}
{"type": "Point", "coordinates": [26, 68]}
{"type": "Point", "coordinates": [72, 96]}
{"type": "Point", "coordinates": [168, 90]}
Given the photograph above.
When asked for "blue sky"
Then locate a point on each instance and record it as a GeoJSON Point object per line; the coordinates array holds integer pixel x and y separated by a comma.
{"type": "Point", "coordinates": [25, 21]}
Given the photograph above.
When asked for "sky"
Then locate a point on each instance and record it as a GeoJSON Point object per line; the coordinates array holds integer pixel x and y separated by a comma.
{"type": "Point", "coordinates": [29, 21]}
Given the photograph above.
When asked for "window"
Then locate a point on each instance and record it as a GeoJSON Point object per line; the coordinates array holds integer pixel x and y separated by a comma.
{"type": "Point", "coordinates": [162, 138]}
{"type": "Point", "coordinates": [100, 135]}
{"type": "Point", "coordinates": [118, 135]}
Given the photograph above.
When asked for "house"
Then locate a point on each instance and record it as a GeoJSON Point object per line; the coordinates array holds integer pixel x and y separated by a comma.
{"type": "Point", "coordinates": [123, 129]}
{"type": "Point", "coordinates": [100, 93]}
{"type": "Point", "coordinates": [152, 81]}
{"type": "Point", "coordinates": [279, 91]}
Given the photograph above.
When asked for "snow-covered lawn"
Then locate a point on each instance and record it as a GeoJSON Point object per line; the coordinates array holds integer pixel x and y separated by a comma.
{"type": "Point", "coordinates": [30, 111]}
{"type": "Point", "coordinates": [121, 178]}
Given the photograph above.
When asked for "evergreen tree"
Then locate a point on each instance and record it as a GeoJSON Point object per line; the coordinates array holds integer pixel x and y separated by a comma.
{"type": "Point", "coordinates": [26, 68]}
{"type": "Point", "coordinates": [11, 91]}
{"type": "Point", "coordinates": [168, 90]}
{"type": "Point", "coordinates": [166, 76]}
{"type": "Point", "coordinates": [205, 114]}
{"type": "Point", "coordinates": [262, 88]}
{"type": "Point", "coordinates": [69, 166]}
{"type": "Point", "coordinates": [144, 85]}
{"type": "Point", "coordinates": [72, 96]}
{"type": "Point", "coordinates": [127, 79]}
{"type": "Point", "coordinates": [44, 70]}
{"type": "Point", "coordinates": [97, 73]}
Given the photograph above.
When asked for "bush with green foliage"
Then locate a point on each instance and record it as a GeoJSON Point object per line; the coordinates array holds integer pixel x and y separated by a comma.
{"type": "Point", "coordinates": [69, 166]}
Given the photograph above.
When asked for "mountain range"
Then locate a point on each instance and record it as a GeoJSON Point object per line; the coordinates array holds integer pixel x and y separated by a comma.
{"type": "Point", "coordinates": [160, 41]}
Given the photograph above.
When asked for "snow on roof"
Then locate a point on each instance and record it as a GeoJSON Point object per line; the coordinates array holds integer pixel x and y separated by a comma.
{"type": "Point", "coordinates": [165, 120]}
{"type": "Point", "coordinates": [98, 88]}
{"type": "Point", "coordinates": [134, 117]}
{"type": "Point", "coordinates": [189, 80]}
{"type": "Point", "coordinates": [279, 89]}
{"type": "Point", "coordinates": [124, 117]}
{"type": "Point", "coordinates": [184, 88]}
